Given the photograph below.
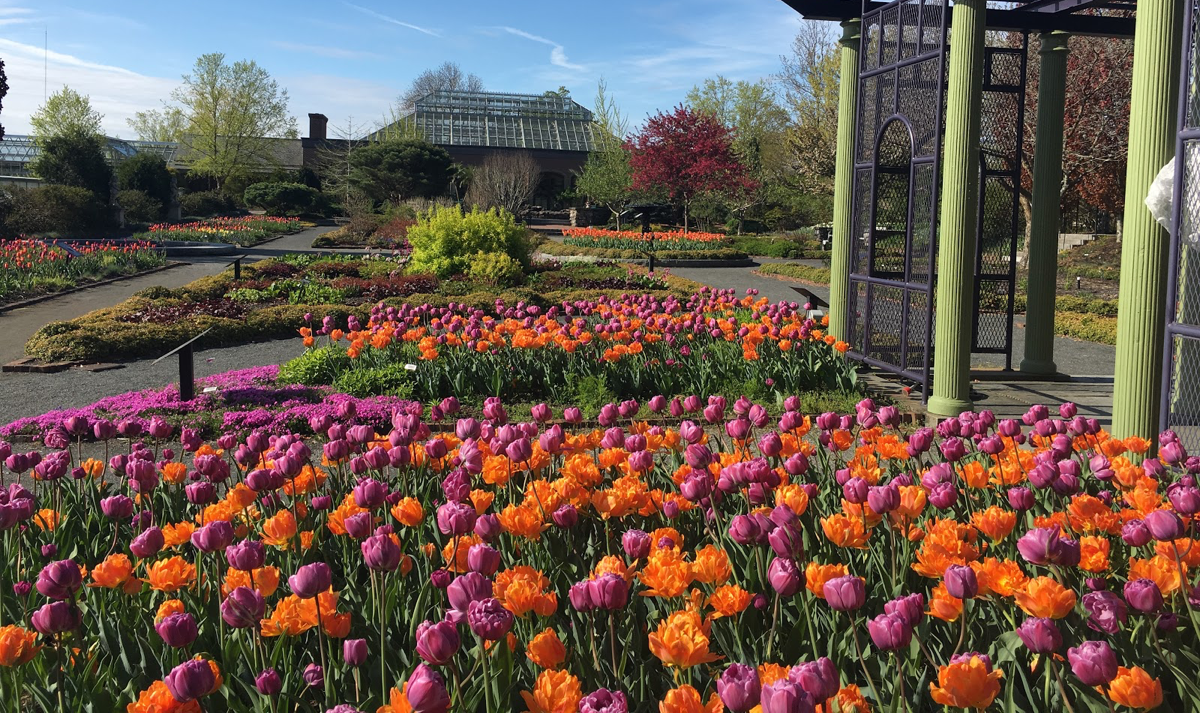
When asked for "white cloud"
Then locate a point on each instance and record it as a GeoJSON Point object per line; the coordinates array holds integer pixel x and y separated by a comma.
{"type": "Point", "coordinates": [394, 21]}
{"type": "Point", "coordinates": [558, 55]}
{"type": "Point", "coordinates": [115, 92]}
{"type": "Point", "coordinates": [325, 51]}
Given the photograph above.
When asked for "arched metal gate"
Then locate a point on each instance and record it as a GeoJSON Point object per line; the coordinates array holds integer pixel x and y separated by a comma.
{"type": "Point", "coordinates": [896, 180]}
{"type": "Point", "coordinates": [1181, 362]}
{"type": "Point", "coordinates": [893, 255]}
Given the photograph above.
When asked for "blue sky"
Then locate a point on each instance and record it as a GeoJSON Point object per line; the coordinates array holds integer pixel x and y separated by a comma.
{"type": "Point", "coordinates": [351, 59]}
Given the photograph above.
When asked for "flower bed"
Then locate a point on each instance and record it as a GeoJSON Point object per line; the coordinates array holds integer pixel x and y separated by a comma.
{"type": "Point", "coordinates": [239, 230]}
{"type": "Point", "coordinates": [632, 347]}
{"type": "Point", "coordinates": [390, 235]}
{"type": "Point", "coordinates": [273, 297]}
{"type": "Point", "coordinates": [673, 240]}
{"type": "Point", "coordinates": [555, 248]}
{"type": "Point", "coordinates": [29, 268]}
{"type": "Point", "coordinates": [830, 564]}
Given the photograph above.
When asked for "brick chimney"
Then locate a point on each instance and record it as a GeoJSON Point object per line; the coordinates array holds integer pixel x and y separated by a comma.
{"type": "Point", "coordinates": [317, 126]}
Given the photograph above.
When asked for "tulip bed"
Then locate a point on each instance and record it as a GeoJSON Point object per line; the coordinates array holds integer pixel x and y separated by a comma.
{"type": "Point", "coordinates": [632, 347]}
{"type": "Point", "coordinates": [437, 563]}
{"type": "Point", "coordinates": [32, 267]}
{"type": "Point", "coordinates": [672, 240]}
{"type": "Point", "coordinates": [239, 230]}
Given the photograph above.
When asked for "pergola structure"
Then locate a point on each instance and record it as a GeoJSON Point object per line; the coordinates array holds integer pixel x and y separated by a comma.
{"type": "Point", "coordinates": [921, 70]}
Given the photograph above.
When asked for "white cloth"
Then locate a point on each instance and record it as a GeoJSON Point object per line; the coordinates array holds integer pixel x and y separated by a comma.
{"type": "Point", "coordinates": [1161, 196]}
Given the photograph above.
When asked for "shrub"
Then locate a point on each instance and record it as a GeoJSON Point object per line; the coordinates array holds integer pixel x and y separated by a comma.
{"type": "Point", "coordinates": [139, 206]}
{"type": "Point", "coordinates": [389, 380]}
{"type": "Point", "coordinates": [314, 367]}
{"type": "Point", "coordinates": [496, 269]}
{"type": "Point", "coordinates": [284, 199]}
{"type": "Point", "coordinates": [74, 159]}
{"type": "Point", "coordinates": [803, 273]}
{"type": "Point", "coordinates": [147, 173]}
{"type": "Point", "coordinates": [445, 240]}
{"type": "Point", "coordinates": [206, 203]}
{"type": "Point", "coordinates": [54, 208]}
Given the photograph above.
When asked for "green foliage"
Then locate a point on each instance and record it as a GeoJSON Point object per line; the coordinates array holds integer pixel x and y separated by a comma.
{"type": "Point", "coordinates": [65, 113]}
{"type": "Point", "coordinates": [74, 159]}
{"type": "Point", "coordinates": [204, 204]}
{"type": "Point", "coordinates": [803, 273]}
{"type": "Point", "coordinates": [314, 367]}
{"type": "Point", "coordinates": [147, 173]}
{"type": "Point", "coordinates": [552, 247]}
{"type": "Point", "coordinates": [139, 207]}
{"type": "Point", "coordinates": [1088, 327]}
{"type": "Point", "coordinates": [591, 392]}
{"type": "Point", "coordinates": [284, 199]}
{"type": "Point", "coordinates": [496, 268]}
{"type": "Point", "coordinates": [400, 169]}
{"type": "Point", "coordinates": [798, 247]}
{"type": "Point", "coordinates": [445, 240]}
{"type": "Point", "coordinates": [54, 209]}
{"type": "Point", "coordinates": [389, 380]}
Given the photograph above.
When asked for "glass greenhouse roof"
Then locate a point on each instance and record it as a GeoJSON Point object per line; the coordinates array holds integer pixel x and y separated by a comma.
{"type": "Point", "coordinates": [525, 121]}
{"type": "Point", "coordinates": [17, 151]}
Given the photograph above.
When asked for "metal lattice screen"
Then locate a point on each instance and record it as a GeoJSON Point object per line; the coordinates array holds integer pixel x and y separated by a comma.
{"type": "Point", "coordinates": [1001, 220]}
{"type": "Point", "coordinates": [898, 141]}
{"type": "Point", "coordinates": [1181, 392]}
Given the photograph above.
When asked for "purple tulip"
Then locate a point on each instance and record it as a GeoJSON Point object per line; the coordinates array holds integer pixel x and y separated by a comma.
{"type": "Point", "coordinates": [369, 493]}
{"type": "Point", "coordinates": [59, 580]}
{"type": "Point", "coordinates": [961, 582]}
{"type": "Point", "coordinates": [784, 696]}
{"type": "Point", "coordinates": [889, 632]}
{"type": "Point", "coordinates": [1041, 636]}
{"type": "Point", "coordinates": [1164, 525]}
{"type": "Point", "coordinates": [268, 683]}
{"type": "Point", "coordinates": [1144, 595]}
{"type": "Point", "coordinates": [910, 608]}
{"type": "Point", "coordinates": [247, 555]}
{"type": "Point", "coordinates": [489, 619]}
{"type": "Point", "coordinates": [609, 592]}
{"type": "Point", "coordinates": [484, 559]}
{"type": "Point", "coordinates": [636, 544]}
{"type": "Point", "coordinates": [190, 680]}
{"type": "Point", "coordinates": [314, 675]}
{"type": "Point", "coordinates": [1040, 545]}
{"type": "Point", "coordinates": [603, 700]}
{"type": "Point", "coordinates": [784, 576]}
{"type": "Point", "coordinates": [1093, 663]}
{"type": "Point", "coordinates": [739, 688]}
{"type": "Point", "coordinates": [426, 691]}
{"type": "Point", "coordinates": [565, 516]}
{"type": "Point", "coordinates": [380, 553]}
{"type": "Point", "coordinates": [310, 580]}
{"type": "Point", "coordinates": [1106, 611]}
{"type": "Point", "coordinates": [819, 678]}
{"type": "Point", "coordinates": [117, 507]}
{"type": "Point", "coordinates": [243, 608]}
{"type": "Point", "coordinates": [216, 535]}
{"type": "Point", "coordinates": [437, 642]}
{"type": "Point", "coordinates": [456, 519]}
{"type": "Point", "coordinates": [846, 593]}
{"type": "Point", "coordinates": [468, 588]}
{"type": "Point", "coordinates": [354, 652]}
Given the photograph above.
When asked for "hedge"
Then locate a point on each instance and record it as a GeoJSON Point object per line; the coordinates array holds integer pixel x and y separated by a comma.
{"type": "Point", "coordinates": [804, 273]}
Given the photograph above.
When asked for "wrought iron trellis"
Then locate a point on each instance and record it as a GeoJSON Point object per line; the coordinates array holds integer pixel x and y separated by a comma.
{"type": "Point", "coordinates": [1002, 134]}
{"type": "Point", "coordinates": [896, 180]}
{"type": "Point", "coordinates": [1180, 409]}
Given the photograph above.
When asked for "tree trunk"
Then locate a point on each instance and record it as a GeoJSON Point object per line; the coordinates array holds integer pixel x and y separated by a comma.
{"type": "Point", "coordinates": [685, 218]}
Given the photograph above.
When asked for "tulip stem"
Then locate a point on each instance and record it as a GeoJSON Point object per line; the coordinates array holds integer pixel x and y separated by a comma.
{"type": "Point", "coordinates": [1061, 690]}
{"type": "Point", "coordinates": [774, 621]}
{"type": "Point", "coordinates": [487, 680]}
{"type": "Point", "coordinates": [321, 648]}
{"type": "Point", "coordinates": [862, 662]}
{"type": "Point", "coordinates": [812, 641]}
{"type": "Point", "coordinates": [612, 637]}
{"type": "Point", "coordinates": [962, 629]}
{"type": "Point", "coordinates": [900, 681]}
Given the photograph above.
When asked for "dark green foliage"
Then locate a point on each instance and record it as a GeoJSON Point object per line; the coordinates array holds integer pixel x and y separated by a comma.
{"type": "Point", "coordinates": [139, 207]}
{"type": "Point", "coordinates": [203, 204]}
{"type": "Point", "coordinates": [284, 199]}
{"type": "Point", "coordinates": [147, 173]}
{"type": "Point", "coordinates": [74, 160]}
{"type": "Point", "coordinates": [401, 169]}
{"type": "Point", "coordinates": [55, 208]}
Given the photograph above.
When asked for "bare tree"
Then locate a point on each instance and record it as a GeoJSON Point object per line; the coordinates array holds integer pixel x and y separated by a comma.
{"type": "Point", "coordinates": [448, 77]}
{"type": "Point", "coordinates": [333, 160]}
{"type": "Point", "coordinates": [505, 180]}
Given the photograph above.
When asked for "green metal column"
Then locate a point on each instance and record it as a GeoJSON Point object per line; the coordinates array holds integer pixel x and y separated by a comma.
{"type": "Point", "coordinates": [843, 186]}
{"type": "Point", "coordinates": [1043, 226]}
{"type": "Point", "coordinates": [1145, 245]}
{"type": "Point", "coordinates": [960, 198]}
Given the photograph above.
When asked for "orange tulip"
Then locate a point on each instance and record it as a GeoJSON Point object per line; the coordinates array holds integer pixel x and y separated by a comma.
{"type": "Point", "coordinates": [174, 473]}
{"type": "Point", "coordinates": [171, 575]}
{"type": "Point", "coordinates": [1134, 688]}
{"type": "Point", "coordinates": [158, 699]}
{"type": "Point", "coordinates": [711, 565]}
{"type": "Point", "coordinates": [944, 606]}
{"type": "Point", "coordinates": [666, 574]}
{"type": "Point", "coordinates": [966, 684]}
{"type": "Point", "coordinates": [849, 700]}
{"type": "Point", "coordinates": [995, 522]}
{"type": "Point", "coordinates": [1002, 577]}
{"type": "Point", "coordinates": [279, 529]}
{"type": "Point", "coordinates": [1046, 598]}
{"type": "Point", "coordinates": [1093, 553]}
{"type": "Point", "coordinates": [408, 512]}
{"type": "Point", "coordinates": [167, 608]}
{"type": "Point", "coordinates": [686, 699]}
{"type": "Point", "coordinates": [845, 531]}
{"type": "Point", "coordinates": [17, 645]}
{"type": "Point", "coordinates": [112, 572]}
{"type": "Point", "coordinates": [264, 579]}
{"type": "Point", "coordinates": [729, 600]}
{"type": "Point", "coordinates": [546, 649]}
{"type": "Point", "coordinates": [681, 640]}
{"type": "Point", "coordinates": [554, 692]}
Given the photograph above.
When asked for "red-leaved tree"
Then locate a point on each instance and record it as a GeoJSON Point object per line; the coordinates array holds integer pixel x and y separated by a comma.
{"type": "Point", "coordinates": [683, 155]}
